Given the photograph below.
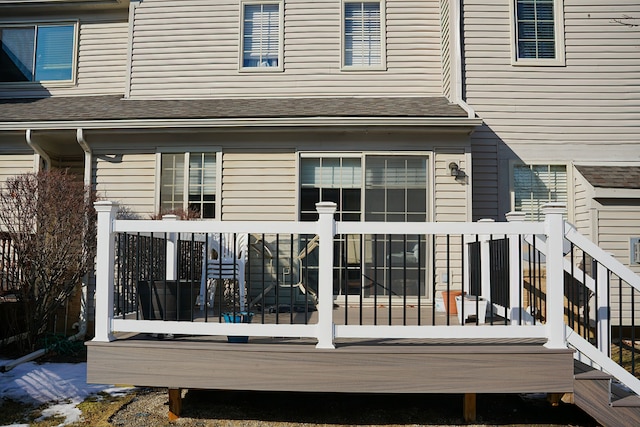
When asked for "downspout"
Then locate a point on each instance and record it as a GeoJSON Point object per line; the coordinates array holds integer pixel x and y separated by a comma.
{"type": "Point", "coordinates": [38, 149]}
{"type": "Point", "coordinates": [88, 159]}
{"type": "Point", "coordinates": [456, 56]}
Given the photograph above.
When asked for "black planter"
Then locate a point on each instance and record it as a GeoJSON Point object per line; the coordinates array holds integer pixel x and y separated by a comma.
{"type": "Point", "coordinates": [167, 299]}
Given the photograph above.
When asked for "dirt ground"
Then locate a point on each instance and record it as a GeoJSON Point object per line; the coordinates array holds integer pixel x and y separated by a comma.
{"type": "Point", "coordinates": [255, 409]}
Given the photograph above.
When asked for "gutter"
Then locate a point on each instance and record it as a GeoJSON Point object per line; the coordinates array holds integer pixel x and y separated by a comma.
{"type": "Point", "coordinates": [37, 148]}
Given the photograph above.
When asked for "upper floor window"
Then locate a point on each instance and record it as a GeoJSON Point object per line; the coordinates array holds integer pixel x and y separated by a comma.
{"type": "Point", "coordinates": [261, 36]}
{"type": "Point", "coordinates": [37, 52]}
{"type": "Point", "coordinates": [536, 185]}
{"type": "Point", "coordinates": [363, 35]}
{"type": "Point", "coordinates": [539, 32]}
{"type": "Point", "coordinates": [193, 175]}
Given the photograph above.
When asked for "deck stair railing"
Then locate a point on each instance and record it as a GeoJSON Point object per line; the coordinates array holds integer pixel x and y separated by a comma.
{"type": "Point", "coordinates": [601, 306]}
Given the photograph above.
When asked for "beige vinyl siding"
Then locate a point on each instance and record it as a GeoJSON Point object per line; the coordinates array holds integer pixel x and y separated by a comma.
{"type": "Point", "coordinates": [259, 186]}
{"type": "Point", "coordinates": [586, 110]}
{"type": "Point", "coordinates": [190, 49]}
{"type": "Point", "coordinates": [15, 164]}
{"type": "Point", "coordinates": [128, 179]}
{"type": "Point", "coordinates": [582, 195]}
{"type": "Point", "coordinates": [101, 61]}
{"type": "Point", "coordinates": [616, 224]}
{"type": "Point", "coordinates": [446, 47]}
{"type": "Point", "coordinates": [450, 204]}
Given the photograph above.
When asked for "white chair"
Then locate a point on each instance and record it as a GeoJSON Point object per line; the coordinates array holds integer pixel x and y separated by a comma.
{"type": "Point", "coordinates": [225, 257]}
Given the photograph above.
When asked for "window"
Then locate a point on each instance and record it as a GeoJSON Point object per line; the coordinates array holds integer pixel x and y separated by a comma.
{"type": "Point", "coordinates": [37, 52]}
{"type": "Point", "coordinates": [261, 36]}
{"type": "Point", "coordinates": [363, 35]}
{"type": "Point", "coordinates": [539, 32]}
{"type": "Point", "coordinates": [535, 185]}
{"type": "Point", "coordinates": [193, 174]}
{"type": "Point", "coordinates": [372, 187]}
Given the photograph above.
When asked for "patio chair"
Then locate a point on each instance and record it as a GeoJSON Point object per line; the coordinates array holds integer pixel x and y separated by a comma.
{"type": "Point", "coordinates": [225, 258]}
{"type": "Point", "coordinates": [269, 255]}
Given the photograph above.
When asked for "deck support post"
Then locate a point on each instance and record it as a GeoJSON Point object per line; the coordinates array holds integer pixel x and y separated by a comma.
{"type": "Point", "coordinates": [515, 271]}
{"type": "Point", "coordinates": [469, 407]}
{"type": "Point", "coordinates": [172, 250]}
{"type": "Point", "coordinates": [326, 232]}
{"type": "Point", "coordinates": [175, 403]}
{"type": "Point", "coordinates": [105, 258]}
{"type": "Point", "coordinates": [554, 229]}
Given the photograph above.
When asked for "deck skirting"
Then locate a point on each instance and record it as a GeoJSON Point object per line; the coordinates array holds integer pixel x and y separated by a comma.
{"type": "Point", "coordinates": [459, 368]}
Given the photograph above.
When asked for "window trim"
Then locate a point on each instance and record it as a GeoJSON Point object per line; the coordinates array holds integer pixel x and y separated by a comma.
{"type": "Point", "coordinates": [186, 152]}
{"type": "Point", "coordinates": [558, 34]}
{"type": "Point", "coordinates": [280, 67]}
{"type": "Point", "coordinates": [74, 54]}
{"type": "Point", "coordinates": [569, 175]}
{"type": "Point", "coordinates": [383, 38]}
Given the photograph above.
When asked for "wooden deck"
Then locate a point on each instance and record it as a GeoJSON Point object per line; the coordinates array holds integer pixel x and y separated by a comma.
{"type": "Point", "coordinates": [376, 366]}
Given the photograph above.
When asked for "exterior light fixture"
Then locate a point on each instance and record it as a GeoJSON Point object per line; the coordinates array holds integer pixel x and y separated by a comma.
{"type": "Point", "coordinates": [455, 169]}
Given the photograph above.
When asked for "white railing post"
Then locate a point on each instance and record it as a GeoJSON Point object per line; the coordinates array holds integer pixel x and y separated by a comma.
{"type": "Point", "coordinates": [515, 270]}
{"type": "Point", "coordinates": [554, 229]}
{"type": "Point", "coordinates": [326, 233]}
{"type": "Point", "coordinates": [172, 250]}
{"type": "Point", "coordinates": [485, 264]}
{"type": "Point", "coordinates": [602, 310]}
{"type": "Point", "coordinates": [105, 258]}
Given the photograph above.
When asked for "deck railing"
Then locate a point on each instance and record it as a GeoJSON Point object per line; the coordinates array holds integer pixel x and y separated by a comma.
{"type": "Point", "coordinates": [396, 291]}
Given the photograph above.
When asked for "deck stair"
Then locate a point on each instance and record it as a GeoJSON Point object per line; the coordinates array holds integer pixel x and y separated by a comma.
{"type": "Point", "coordinates": [600, 396]}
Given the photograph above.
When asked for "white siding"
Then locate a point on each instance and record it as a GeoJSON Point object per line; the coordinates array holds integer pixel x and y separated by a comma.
{"type": "Point", "coordinates": [128, 179]}
{"type": "Point", "coordinates": [584, 111]}
{"type": "Point", "coordinates": [190, 49]}
{"type": "Point", "coordinates": [101, 64]}
{"type": "Point", "coordinates": [259, 186]}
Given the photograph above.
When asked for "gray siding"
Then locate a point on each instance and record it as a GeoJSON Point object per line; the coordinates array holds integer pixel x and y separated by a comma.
{"type": "Point", "coordinates": [101, 61]}
{"type": "Point", "coordinates": [586, 110]}
{"type": "Point", "coordinates": [190, 49]}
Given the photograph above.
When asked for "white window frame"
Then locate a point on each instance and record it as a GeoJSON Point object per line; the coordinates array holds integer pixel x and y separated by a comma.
{"type": "Point", "coordinates": [569, 177]}
{"type": "Point", "coordinates": [558, 18]}
{"type": "Point", "coordinates": [185, 202]}
{"type": "Point", "coordinates": [259, 69]}
{"type": "Point", "coordinates": [74, 53]}
{"type": "Point", "coordinates": [383, 38]}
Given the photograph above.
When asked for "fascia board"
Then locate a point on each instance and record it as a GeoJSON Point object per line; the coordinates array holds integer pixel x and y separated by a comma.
{"type": "Point", "coordinates": [245, 122]}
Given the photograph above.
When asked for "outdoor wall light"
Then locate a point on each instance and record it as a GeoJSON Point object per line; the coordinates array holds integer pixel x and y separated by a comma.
{"type": "Point", "coordinates": [455, 169]}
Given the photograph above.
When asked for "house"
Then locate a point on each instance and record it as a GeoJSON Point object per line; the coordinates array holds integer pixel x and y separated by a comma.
{"type": "Point", "coordinates": [422, 116]}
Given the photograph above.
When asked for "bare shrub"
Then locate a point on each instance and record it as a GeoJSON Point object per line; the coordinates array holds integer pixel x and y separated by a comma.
{"type": "Point", "coordinates": [51, 221]}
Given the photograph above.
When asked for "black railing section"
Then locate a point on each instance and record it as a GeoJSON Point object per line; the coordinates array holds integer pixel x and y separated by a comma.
{"type": "Point", "coordinates": [583, 290]}
{"type": "Point", "coordinates": [534, 282]}
{"type": "Point", "coordinates": [378, 279]}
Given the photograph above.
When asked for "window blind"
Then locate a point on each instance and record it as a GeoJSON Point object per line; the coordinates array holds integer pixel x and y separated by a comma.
{"type": "Point", "coordinates": [261, 35]}
{"type": "Point", "coordinates": [16, 62]}
{"type": "Point", "coordinates": [362, 38]}
{"type": "Point", "coordinates": [54, 52]}
{"type": "Point", "coordinates": [535, 185]}
{"type": "Point", "coordinates": [536, 29]}
{"type": "Point", "coordinates": [331, 173]}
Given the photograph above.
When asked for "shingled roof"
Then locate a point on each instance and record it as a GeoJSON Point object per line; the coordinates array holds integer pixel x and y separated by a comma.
{"type": "Point", "coordinates": [83, 108]}
{"type": "Point", "coordinates": [612, 176]}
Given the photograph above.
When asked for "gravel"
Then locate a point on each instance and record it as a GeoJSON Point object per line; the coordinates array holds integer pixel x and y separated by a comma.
{"type": "Point", "coordinates": [205, 408]}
